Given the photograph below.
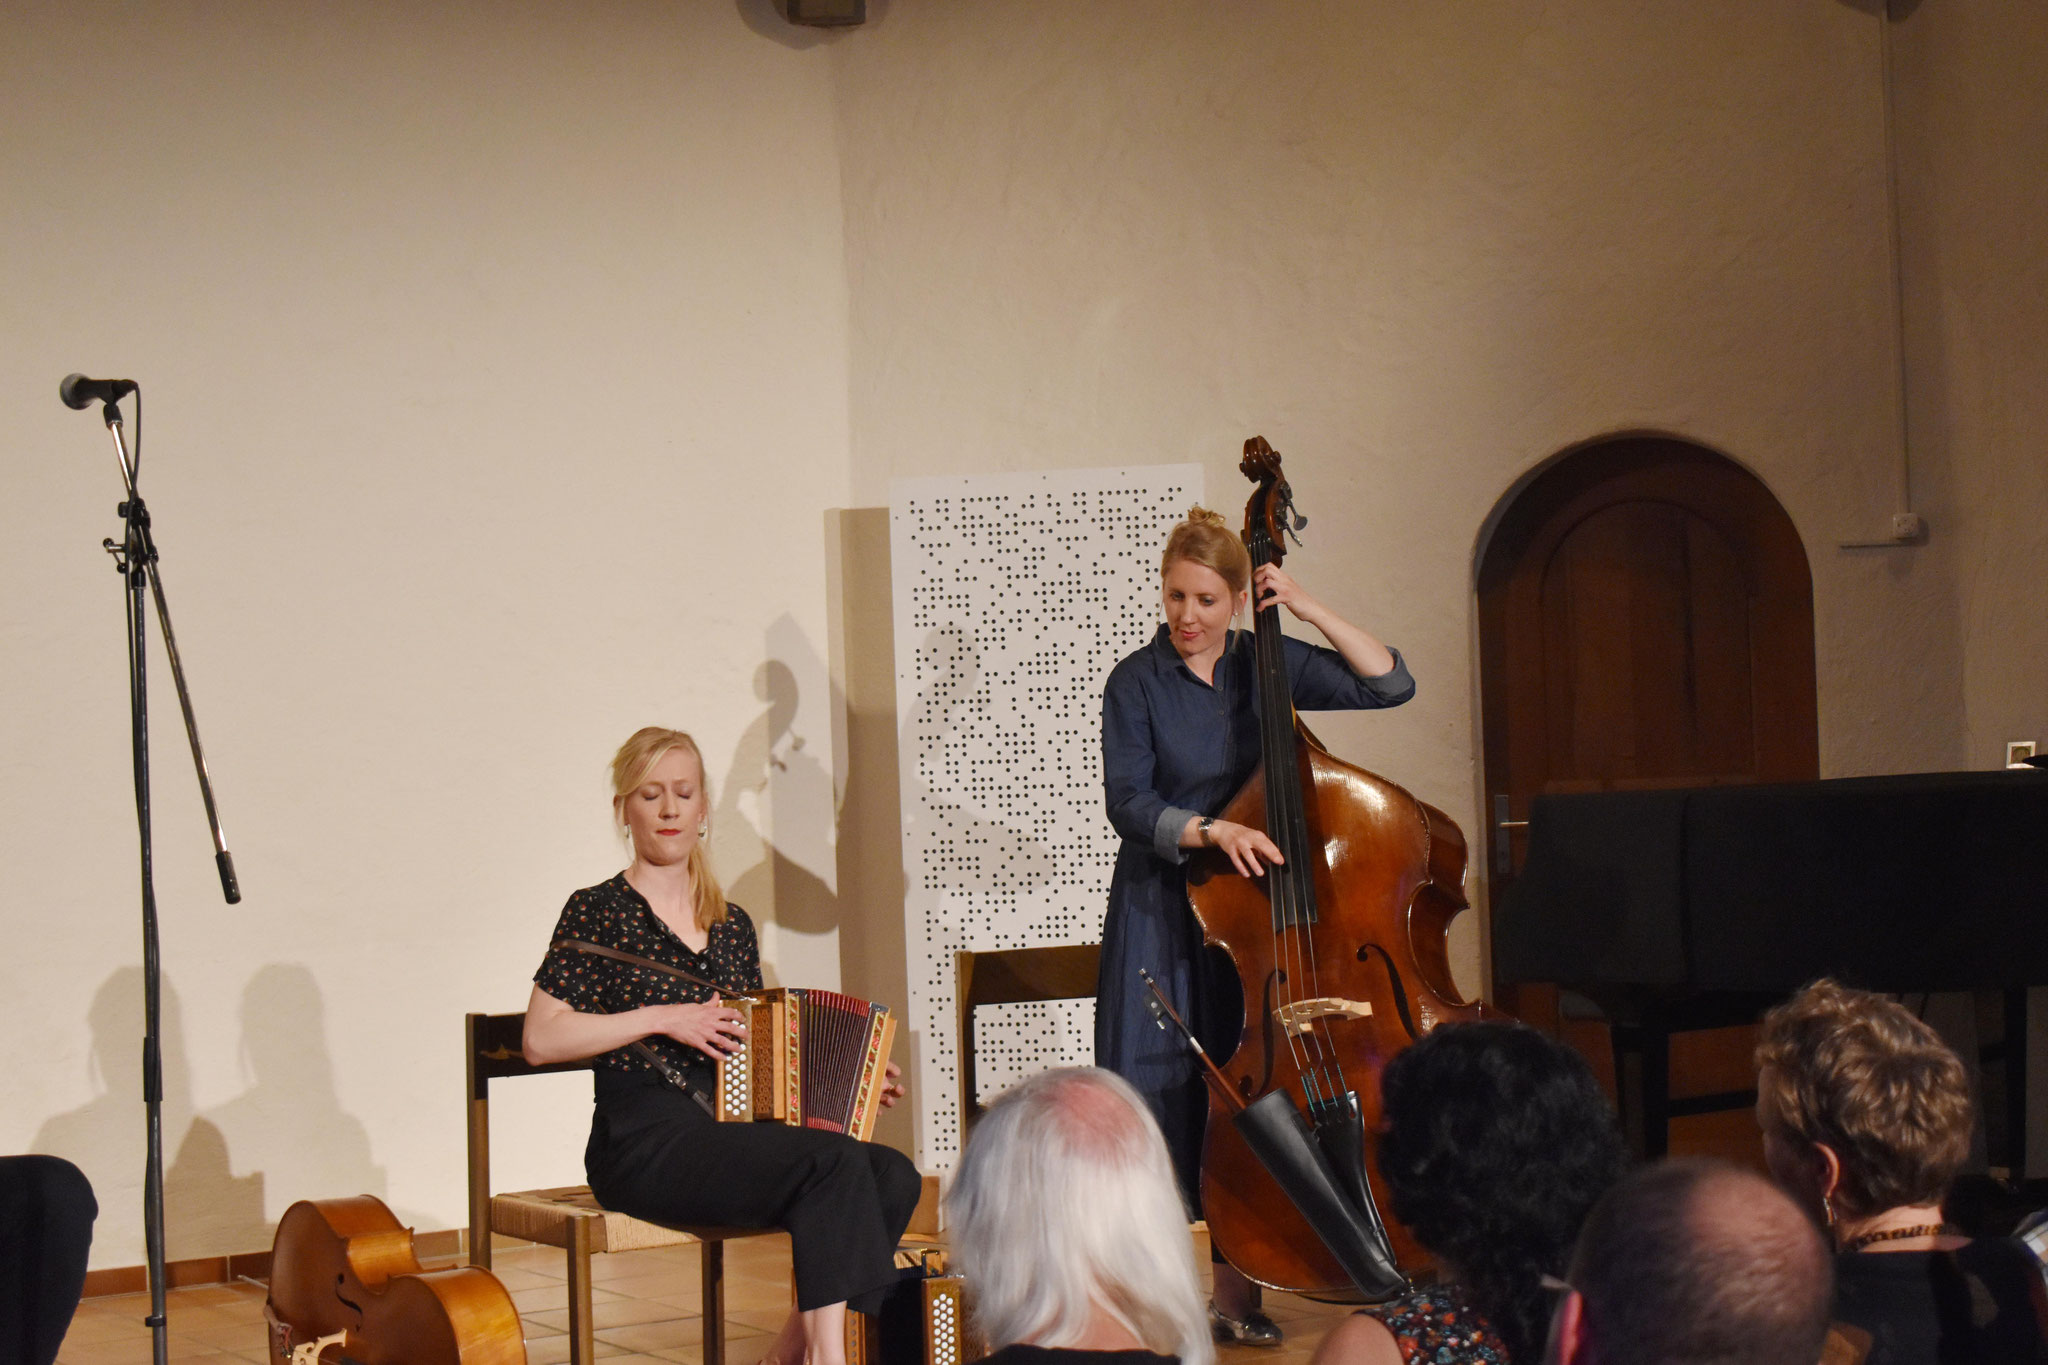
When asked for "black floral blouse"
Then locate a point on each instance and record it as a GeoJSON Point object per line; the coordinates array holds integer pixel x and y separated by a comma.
{"type": "Point", "coordinates": [613, 915]}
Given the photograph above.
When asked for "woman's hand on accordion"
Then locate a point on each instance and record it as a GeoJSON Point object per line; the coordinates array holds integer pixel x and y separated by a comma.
{"type": "Point", "coordinates": [711, 1027]}
{"type": "Point", "coordinates": [892, 1086]}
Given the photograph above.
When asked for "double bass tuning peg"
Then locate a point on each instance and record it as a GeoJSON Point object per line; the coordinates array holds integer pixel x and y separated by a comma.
{"type": "Point", "coordinates": [1291, 520]}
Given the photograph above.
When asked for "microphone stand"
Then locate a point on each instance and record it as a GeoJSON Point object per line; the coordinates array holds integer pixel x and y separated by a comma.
{"type": "Point", "coordinates": [135, 558]}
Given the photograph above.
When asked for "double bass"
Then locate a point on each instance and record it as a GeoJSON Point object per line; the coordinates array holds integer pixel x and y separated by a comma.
{"type": "Point", "coordinates": [1340, 951]}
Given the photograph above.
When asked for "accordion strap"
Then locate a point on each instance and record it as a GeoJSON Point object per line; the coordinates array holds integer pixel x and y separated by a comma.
{"type": "Point", "coordinates": [670, 1073]}
{"type": "Point", "coordinates": [599, 950]}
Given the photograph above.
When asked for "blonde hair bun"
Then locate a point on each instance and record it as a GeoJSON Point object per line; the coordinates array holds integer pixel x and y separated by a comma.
{"type": "Point", "coordinates": [1206, 540]}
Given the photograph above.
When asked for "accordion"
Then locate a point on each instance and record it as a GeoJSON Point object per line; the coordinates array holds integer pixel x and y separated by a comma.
{"type": "Point", "coordinates": [812, 1058]}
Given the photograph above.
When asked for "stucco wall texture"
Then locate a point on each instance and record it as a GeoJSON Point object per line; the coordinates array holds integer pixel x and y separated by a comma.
{"type": "Point", "coordinates": [507, 365]}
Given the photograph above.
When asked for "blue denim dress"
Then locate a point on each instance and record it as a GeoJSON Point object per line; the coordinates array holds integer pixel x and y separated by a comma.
{"type": "Point", "coordinates": [1175, 747]}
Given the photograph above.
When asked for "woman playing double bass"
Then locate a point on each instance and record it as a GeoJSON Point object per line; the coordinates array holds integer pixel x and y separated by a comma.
{"type": "Point", "coordinates": [1179, 738]}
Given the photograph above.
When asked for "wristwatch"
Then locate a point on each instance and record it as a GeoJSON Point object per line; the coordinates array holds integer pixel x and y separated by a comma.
{"type": "Point", "coordinates": [1208, 839]}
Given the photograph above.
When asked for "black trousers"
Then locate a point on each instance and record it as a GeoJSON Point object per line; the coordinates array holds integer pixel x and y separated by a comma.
{"type": "Point", "coordinates": [656, 1154]}
{"type": "Point", "coordinates": [46, 1215]}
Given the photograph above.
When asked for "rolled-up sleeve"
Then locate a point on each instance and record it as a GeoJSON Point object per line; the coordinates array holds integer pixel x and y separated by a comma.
{"type": "Point", "coordinates": [1129, 757]}
{"type": "Point", "coordinates": [1322, 681]}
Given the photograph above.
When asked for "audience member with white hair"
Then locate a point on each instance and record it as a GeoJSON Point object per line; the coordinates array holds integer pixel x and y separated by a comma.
{"type": "Point", "coordinates": [1068, 1228]}
{"type": "Point", "coordinates": [1694, 1263]}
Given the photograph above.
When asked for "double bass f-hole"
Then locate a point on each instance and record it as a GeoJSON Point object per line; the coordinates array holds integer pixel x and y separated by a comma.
{"type": "Point", "coordinates": [1270, 1010]}
{"type": "Point", "coordinates": [1365, 952]}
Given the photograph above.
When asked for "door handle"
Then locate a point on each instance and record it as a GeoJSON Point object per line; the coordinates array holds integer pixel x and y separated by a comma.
{"type": "Point", "coordinates": [1503, 839]}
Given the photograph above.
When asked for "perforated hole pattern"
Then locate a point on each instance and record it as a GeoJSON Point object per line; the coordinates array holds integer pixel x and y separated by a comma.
{"type": "Point", "coordinates": [1014, 596]}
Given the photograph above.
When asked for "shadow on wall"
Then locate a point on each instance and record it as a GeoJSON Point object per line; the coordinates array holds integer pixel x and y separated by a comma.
{"type": "Point", "coordinates": [294, 1141]}
{"type": "Point", "coordinates": [776, 805]}
{"type": "Point", "coordinates": [287, 1130]}
{"type": "Point", "coordinates": [196, 1192]}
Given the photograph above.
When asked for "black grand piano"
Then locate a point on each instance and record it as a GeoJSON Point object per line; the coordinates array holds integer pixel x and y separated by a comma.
{"type": "Point", "coordinates": [1686, 909]}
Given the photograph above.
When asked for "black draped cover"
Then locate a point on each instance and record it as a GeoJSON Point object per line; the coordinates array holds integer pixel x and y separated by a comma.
{"type": "Point", "coordinates": [1935, 881]}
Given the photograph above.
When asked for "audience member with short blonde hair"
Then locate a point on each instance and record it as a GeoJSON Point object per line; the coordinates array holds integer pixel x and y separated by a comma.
{"type": "Point", "coordinates": [1866, 1117]}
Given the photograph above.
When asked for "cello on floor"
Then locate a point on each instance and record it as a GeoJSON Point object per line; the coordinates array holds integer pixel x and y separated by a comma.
{"type": "Point", "coordinates": [347, 1289]}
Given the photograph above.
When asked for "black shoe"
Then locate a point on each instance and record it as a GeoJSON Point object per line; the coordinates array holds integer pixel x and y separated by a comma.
{"type": "Point", "coordinates": [1253, 1329]}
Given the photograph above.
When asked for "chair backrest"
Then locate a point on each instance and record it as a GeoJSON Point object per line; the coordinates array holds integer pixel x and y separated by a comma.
{"type": "Point", "coordinates": [493, 1050]}
{"type": "Point", "coordinates": [1011, 977]}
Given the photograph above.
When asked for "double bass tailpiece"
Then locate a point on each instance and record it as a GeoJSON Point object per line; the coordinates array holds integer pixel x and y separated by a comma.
{"type": "Point", "coordinates": [1310, 1163]}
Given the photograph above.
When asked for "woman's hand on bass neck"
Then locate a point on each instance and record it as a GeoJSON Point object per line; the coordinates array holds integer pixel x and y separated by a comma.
{"type": "Point", "coordinates": [1274, 586]}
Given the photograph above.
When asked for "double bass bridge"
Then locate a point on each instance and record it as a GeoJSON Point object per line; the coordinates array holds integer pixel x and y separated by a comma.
{"type": "Point", "coordinates": [1299, 1016]}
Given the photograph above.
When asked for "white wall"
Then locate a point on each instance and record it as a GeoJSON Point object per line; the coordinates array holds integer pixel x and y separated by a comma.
{"type": "Point", "coordinates": [1974, 208]}
{"type": "Point", "coordinates": [1421, 249]}
{"type": "Point", "coordinates": [496, 373]}
{"type": "Point", "coordinates": [505, 362]}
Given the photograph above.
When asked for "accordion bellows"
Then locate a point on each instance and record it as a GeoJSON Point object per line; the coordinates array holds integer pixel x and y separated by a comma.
{"type": "Point", "coordinates": [812, 1058]}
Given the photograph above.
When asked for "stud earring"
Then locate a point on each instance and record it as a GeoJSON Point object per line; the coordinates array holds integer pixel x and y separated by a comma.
{"type": "Point", "coordinates": [703, 828]}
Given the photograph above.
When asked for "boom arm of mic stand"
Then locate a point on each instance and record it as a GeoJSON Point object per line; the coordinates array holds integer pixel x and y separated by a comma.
{"type": "Point", "coordinates": [223, 861]}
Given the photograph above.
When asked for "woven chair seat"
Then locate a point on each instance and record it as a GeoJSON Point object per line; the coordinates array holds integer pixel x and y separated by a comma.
{"type": "Point", "coordinates": [546, 1216]}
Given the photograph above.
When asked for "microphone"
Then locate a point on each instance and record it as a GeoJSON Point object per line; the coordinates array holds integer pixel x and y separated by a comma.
{"type": "Point", "coordinates": [78, 392]}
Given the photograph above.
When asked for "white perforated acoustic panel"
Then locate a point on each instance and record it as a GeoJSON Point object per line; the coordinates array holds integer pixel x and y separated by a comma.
{"type": "Point", "coordinates": [1015, 594]}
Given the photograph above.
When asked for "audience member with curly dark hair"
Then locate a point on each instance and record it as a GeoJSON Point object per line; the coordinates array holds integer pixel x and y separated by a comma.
{"type": "Point", "coordinates": [1498, 1141]}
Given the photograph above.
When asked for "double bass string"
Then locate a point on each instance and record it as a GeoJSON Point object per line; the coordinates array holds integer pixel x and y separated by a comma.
{"type": "Point", "coordinates": [1292, 889]}
{"type": "Point", "coordinates": [1289, 822]}
{"type": "Point", "coordinates": [1278, 888]}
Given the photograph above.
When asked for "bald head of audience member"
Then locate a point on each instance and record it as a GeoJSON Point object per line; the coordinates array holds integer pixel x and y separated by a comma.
{"type": "Point", "coordinates": [1695, 1263]}
{"type": "Point", "coordinates": [1068, 1227]}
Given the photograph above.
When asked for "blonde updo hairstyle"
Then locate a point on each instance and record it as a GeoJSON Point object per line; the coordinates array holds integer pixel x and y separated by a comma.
{"type": "Point", "coordinates": [630, 766]}
{"type": "Point", "coordinates": [1860, 1073]}
{"type": "Point", "coordinates": [1204, 539]}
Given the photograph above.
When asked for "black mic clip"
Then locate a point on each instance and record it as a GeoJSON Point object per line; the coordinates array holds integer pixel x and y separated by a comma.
{"type": "Point", "coordinates": [78, 392]}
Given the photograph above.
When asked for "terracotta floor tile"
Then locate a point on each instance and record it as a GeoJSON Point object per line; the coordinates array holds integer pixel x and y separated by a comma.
{"type": "Point", "coordinates": [89, 1328]}
{"type": "Point", "coordinates": [555, 1296]}
{"type": "Point", "coordinates": [628, 1265]}
{"type": "Point", "coordinates": [669, 1335]}
{"type": "Point", "coordinates": [555, 1351]}
{"type": "Point", "coordinates": [617, 1313]}
{"type": "Point", "coordinates": [515, 1277]}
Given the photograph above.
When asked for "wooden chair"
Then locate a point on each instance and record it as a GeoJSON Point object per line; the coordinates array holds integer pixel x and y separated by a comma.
{"type": "Point", "coordinates": [569, 1216]}
{"type": "Point", "coordinates": [1013, 976]}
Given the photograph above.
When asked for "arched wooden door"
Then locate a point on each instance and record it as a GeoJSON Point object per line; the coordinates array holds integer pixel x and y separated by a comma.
{"type": "Point", "coordinates": [1645, 620]}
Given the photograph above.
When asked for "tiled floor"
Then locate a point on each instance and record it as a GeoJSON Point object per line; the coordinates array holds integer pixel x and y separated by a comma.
{"type": "Point", "coordinates": [646, 1307]}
